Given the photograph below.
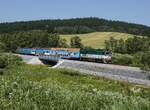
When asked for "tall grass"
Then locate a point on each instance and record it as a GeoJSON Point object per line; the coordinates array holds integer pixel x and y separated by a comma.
{"type": "Point", "coordinates": [28, 87]}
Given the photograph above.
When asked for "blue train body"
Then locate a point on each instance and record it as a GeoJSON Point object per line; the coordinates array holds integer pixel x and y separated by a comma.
{"type": "Point", "coordinates": [63, 53]}
{"type": "Point", "coordinates": [26, 51]}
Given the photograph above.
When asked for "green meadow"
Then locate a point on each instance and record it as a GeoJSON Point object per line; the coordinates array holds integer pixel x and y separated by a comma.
{"type": "Point", "coordinates": [97, 39]}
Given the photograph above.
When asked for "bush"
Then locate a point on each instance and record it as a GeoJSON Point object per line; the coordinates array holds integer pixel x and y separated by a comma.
{"type": "Point", "coordinates": [1, 72]}
{"type": "Point", "coordinates": [70, 72]}
{"type": "Point", "coordinates": [122, 59]}
{"type": "Point", "coordinates": [76, 42]}
{"type": "Point", "coordinates": [145, 61]}
{"type": "Point", "coordinates": [8, 60]}
{"type": "Point", "coordinates": [137, 59]}
{"type": "Point", "coordinates": [3, 61]}
{"type": "Point", "coordinates": [2, 47]}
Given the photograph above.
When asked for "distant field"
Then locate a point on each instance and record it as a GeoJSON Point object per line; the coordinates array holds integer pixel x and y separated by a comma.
{"type": "Point", "coordinates": [97, 39]}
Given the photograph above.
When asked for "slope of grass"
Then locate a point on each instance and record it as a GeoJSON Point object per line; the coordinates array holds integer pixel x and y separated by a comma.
{"type": "Point", "coordinates": [28, 87]}
{"type": "Point", "coordinates": [97, 39]}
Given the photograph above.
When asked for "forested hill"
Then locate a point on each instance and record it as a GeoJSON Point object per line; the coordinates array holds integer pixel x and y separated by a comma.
{"type": "Point", "coordinates": [76, 26]}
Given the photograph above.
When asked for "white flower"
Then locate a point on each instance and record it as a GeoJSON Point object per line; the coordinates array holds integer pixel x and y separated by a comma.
{"type": "Point", "coordinates": [95, 90]}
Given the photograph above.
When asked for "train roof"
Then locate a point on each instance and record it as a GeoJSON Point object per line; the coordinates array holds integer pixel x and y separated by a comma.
{"type": "Point", "coordinates": [93, 51]}
{"type": "Point", "coordinates": [67, 49]}
{"type": "Point", "coordinates": [64, 49]}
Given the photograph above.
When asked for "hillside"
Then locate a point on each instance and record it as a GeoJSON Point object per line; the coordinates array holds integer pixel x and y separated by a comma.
{"type": "Point", "coordinates": [76, 26]}
{"type": "Point", "coordinates": [97, 39]}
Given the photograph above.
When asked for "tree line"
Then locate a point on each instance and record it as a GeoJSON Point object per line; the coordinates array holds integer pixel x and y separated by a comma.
{"type": "Point", "coordinates": [76, 26]}
{"type": "Point", "coordinates": [129, 46]}
{"type": "Point", "coordinates": [35, 39]}
{"type": "Point", "coordinates": [133, 51]}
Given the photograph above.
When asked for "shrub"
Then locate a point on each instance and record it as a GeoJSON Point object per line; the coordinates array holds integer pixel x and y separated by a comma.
{"type": "Point", "coordinates": [136, 61]}
{"type": "Point", "coordinates": [3, 61]}
{"type": "Point", "coordinates": [76, 42]}
{"type": "Point", "coordinates": [122, 59]}
{"type": "Point", "coordinates": [1, 72]}
{"type": "Point", "coordinates": [145, 61]}
{"type": "Point", "coordinates": [2, 47]}
{"type": "Point", "coordinates": [8, 60]}
{"type": "Point", "coordinates": [70, 72]}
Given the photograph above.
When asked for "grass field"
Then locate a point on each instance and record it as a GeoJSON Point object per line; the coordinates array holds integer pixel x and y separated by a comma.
{"type": "Point", "coordinates": [28, 87]}
{"type": "Point", "coordinates": [97, 39]}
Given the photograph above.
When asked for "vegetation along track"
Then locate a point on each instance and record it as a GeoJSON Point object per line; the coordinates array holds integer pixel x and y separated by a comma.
{"type": "Point", "coordinates": [116, 72]}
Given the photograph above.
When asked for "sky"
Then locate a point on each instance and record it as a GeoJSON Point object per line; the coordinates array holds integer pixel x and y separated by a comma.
{"type": "Point", "coordinates": [134, 11]}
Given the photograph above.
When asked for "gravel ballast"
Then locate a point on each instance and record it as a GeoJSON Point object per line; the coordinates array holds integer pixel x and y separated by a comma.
{"type": "Point", "coordinates": [116, 72]}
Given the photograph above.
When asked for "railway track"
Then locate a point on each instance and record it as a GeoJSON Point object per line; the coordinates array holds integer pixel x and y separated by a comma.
{"type": "Point", "coordinates": [115, 72]}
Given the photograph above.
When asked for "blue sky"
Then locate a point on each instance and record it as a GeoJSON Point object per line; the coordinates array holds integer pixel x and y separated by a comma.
{"type": "Point", "coordinates": [136, 11]}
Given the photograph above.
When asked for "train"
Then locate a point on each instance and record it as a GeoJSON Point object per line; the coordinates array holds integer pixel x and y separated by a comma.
{"type": "Point", "coordinates": [94, 55]}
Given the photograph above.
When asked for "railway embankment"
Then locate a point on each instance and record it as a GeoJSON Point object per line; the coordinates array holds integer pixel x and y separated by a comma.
{"type": "Point", "coordinates": [115, 72]}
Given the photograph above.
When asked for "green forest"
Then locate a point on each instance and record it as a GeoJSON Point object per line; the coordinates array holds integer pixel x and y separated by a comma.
{"type": "Point", "coordinates": [76, 26]}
